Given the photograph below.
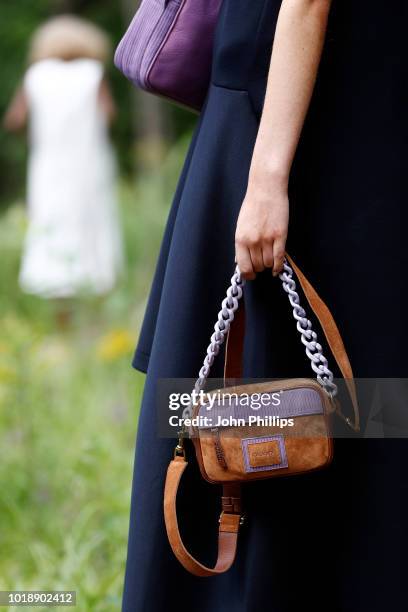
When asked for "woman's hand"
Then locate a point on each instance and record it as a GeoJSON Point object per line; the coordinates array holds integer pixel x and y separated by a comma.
{"type": "Point", "coordinates": [262, 227]}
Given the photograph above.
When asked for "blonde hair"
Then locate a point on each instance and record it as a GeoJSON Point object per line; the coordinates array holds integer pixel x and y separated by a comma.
{"type": "Point", "coordinates": [69, 37]}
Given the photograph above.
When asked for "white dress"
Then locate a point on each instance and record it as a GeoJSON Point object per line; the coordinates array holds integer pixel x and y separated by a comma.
{"type": "Point", "coordinates": [73, 243]}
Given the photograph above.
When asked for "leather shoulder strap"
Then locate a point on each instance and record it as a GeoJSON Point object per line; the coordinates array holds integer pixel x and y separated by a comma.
{"type": "Point", "coordinates": [230, 521]}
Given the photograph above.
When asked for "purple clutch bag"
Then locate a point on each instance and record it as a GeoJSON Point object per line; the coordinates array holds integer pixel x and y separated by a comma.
{"type": "Point", "coordinates": [167, 49]}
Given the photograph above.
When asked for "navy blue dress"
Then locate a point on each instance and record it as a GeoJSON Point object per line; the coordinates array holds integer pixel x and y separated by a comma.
{"type": "Point", "coordinates": [334, 540]}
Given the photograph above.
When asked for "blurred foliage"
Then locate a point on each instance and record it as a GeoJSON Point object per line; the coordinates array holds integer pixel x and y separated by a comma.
{"type": "Point", "coordinates": [18, 20]}
{"type": "Point", "coordinates": [68, 397]}
{"type": "Point", "coordinates": [68, 406]}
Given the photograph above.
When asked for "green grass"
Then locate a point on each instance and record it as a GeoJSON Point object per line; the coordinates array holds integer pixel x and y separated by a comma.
{"type": "Point", "coordinates": [68, 413]}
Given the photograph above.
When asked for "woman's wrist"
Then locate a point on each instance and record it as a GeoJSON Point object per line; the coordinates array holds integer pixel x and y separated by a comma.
{"type": "Point", "coordinates": [268, 177]}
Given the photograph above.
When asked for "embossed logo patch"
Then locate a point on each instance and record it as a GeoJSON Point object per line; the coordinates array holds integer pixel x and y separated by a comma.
{"type": "Point", "coordinates": [264, 453]}
{"type": "Point", "coordinates": [267, 453]}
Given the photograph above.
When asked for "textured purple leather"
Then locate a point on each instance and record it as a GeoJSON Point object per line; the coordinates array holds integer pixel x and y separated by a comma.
{"type": "Point", "coordinates": [167, 48]}
{"type": "Point", "coordinates": [272, 466]}
{"type": "Point", "coordinates": [293, 403]}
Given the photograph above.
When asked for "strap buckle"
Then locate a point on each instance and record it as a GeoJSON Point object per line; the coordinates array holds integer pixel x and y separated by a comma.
{"type": "Point", "coordinates": [179, 451]}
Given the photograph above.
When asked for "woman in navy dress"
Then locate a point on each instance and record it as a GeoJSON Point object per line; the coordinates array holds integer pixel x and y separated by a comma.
{"type": "Point", "coordinates": [334, 540]}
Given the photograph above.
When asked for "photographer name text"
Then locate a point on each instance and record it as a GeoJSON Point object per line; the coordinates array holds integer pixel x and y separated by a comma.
{"type": "Point", "coordinates": [230, 421]}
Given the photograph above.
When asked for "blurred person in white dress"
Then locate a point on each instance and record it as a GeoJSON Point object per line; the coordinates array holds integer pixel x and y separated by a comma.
{"type": "Point", "coordinates": [73, 244]}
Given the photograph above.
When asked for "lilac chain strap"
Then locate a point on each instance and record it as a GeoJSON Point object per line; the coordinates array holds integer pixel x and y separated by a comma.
{"type": "Point", "coordinates": [304, 326]}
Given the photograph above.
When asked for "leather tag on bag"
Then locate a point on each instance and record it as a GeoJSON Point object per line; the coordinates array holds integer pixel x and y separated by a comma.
{"type": "Point", "coordinates": [264, 453]}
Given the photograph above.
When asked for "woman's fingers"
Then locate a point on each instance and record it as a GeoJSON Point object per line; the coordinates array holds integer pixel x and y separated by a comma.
{"type": "Point", "coordinates": [278, 255]}
{"type": "Point", "coordinates": [244, 261]}
{"type": "Point", "coordinates": [267, 254]}
{"type": "Point", "coordinates": [256, 258]}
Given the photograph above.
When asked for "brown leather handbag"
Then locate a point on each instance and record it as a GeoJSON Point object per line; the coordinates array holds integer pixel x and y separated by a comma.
{"type": "Point", "coordinates": [227, 450]}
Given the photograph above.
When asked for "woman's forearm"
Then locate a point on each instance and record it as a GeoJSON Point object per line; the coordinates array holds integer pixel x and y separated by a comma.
{"type": "Point", "coordinates": [296, 53]}
{"type": "Point", "coordinates": [262, 226]}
